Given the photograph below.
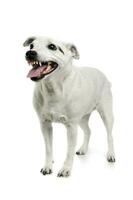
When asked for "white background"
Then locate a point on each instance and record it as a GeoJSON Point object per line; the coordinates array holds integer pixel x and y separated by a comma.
{"type": "Point", "coordinates": [102, 30]}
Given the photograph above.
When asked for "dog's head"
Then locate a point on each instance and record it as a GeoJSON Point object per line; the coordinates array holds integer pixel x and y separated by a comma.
{"type": "Point", "coordinates": [46, 56]}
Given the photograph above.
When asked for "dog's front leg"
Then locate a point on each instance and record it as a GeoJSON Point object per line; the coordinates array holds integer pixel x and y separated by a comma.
{"type": "Point", "coordinates": [47, 131]}
{"type": "Point", "coordinates": [71, 140]}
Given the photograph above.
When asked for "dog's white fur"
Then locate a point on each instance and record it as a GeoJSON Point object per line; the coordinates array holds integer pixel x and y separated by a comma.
{"type": "Point", "coordinates": [69, 95]}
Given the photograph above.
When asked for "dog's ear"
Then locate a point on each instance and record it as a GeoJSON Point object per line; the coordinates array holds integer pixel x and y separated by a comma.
{"type": "Point", "coordinates": [74, 51]}
{"type": "Point", "coordinates": [29, 41]}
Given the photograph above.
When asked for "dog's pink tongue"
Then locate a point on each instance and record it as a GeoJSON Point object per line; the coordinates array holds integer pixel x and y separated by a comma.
{"type": "Point", "coordinates": [35, 72]}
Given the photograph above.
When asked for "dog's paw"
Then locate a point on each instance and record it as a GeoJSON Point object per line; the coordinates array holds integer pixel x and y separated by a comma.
{"type": "Point", "coordinates": [110, 158]}
{"type": "Point", "coordinates": [46, 171]}
{"type": "Point", "coordinates": [81, 151]}
{"type": "Point", "coordinates": [64, 172]}
{"type": "Point", "coordinates": [63, 119]}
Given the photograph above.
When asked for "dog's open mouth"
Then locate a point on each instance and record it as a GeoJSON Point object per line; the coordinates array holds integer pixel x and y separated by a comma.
{"type": "Point", "coordinates": [41, 69]}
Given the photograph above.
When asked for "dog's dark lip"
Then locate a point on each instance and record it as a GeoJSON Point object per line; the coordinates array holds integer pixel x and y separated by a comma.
{"type": "Point", "coordinates": [42, 65]}
{"type": "Point", "coordinates": [37, 79]}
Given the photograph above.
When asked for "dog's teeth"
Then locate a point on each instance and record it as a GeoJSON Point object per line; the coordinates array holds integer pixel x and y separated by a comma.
{"type": "Point", "coordinates": [48, 68]}
{"type": "Point", "coordinates": [40, 63]}
{"type": "Point", "coordinates": [49, 63]}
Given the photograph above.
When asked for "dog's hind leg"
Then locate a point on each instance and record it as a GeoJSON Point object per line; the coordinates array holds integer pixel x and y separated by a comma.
{"type": "Point", "coordinates": [105, 110]}
{"type": "Point", "coordinates": [87, 132]}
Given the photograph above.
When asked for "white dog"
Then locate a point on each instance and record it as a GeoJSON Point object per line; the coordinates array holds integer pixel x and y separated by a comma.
{"type": "Point", "coordinates": [67, 94]}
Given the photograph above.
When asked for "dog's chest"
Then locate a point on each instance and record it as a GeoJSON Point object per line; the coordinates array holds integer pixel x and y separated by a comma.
{"type": "Point", "coordinates": [53, 104]}
{"type": "Point", "coordinates": [53, 96]}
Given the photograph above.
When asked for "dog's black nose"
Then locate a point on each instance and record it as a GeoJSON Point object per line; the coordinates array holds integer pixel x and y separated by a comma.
{"type": "Point", "coordinates": [31, 55]}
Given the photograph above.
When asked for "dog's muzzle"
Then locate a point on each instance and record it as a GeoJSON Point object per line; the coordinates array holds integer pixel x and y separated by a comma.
{"type": "Point", "coordinates": [39, 69]}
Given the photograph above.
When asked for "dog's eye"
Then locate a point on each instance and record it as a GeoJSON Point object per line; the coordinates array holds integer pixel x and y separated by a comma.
{"type": "Point", "coordinates": [52, 47]}
{"type": "Point", "coordinates": [31, 46]}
